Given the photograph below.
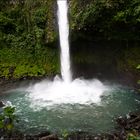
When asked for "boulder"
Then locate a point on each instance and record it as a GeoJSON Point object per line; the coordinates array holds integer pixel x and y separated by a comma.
{"type": "Point", "coordinates": [49, 137]}
{"type": "Point", "coordinates": [2, 104]}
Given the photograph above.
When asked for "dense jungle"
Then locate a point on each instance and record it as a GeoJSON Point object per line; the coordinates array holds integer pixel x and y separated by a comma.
{"type": "Point", "coordinates": [29, 33]}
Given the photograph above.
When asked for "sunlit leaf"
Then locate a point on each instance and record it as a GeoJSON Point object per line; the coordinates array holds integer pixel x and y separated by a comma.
{"type": "Point", "coordinates": [10, 126]}
{"type": "Point", "coordinates": [138, 67]}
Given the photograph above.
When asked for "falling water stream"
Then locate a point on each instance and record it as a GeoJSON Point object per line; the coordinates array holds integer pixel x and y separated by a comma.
{"type": "Point", "coordinates": [64, 40]}
{"type": "Point", "coordinates": [66, 104]}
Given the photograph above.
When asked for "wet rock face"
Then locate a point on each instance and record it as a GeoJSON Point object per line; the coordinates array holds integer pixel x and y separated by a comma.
{"type": "Point", "coordinates": [130, 122]}
{"type": "Point", "coordinates": [1, 104]}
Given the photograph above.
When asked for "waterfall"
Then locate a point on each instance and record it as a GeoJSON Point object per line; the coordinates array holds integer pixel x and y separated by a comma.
{"type": "Point", "coordinates": [65, 90]}
{"type": "Point", "coordinates": [64, 40]}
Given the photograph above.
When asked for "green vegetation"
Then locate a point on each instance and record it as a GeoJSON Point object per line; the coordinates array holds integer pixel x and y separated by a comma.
{"type": "Point", "coordinates": [129, 59]}
{"type": "Point", "coordinates": [25, 38]}
{"type": "Point", "coordinates": [28, 31]}
{"type": "Point", "coordinates": [65, 134]}
{"type": "Point", "coordinates": [133, 136]}
{"type": "Point", "coordinates": [7, 120]}
{"type": "Point", "coordinates": [107, 19]}
{"type": "Point", "coordinates": [20, 63]}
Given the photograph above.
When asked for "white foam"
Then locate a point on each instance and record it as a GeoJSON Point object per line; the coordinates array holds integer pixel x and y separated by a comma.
{"type": "Point", "coordinates": [50, 93]}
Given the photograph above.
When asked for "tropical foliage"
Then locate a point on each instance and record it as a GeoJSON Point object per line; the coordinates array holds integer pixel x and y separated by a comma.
{"type": "Point", "coordinates": [7, 120]}
{"type": "Point", "coordinates": [109, 19]}
{"type": "Point", "coordinates": [28, 31]}
{"type": "Point", "coordinates": [25, 31]}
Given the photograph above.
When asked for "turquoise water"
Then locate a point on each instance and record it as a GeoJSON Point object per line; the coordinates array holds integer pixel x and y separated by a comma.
{"type": "Point", "coordinates": [74, 117]}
